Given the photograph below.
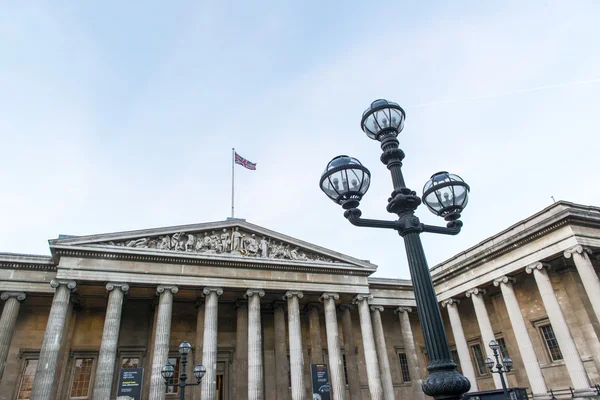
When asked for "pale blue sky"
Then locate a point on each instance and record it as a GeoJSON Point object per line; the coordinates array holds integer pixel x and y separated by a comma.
{"type": "Point", "coordinates": [122, 115]}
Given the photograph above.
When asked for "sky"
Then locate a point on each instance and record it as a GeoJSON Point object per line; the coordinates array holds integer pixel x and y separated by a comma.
{"type": "Point", "coordinates": [119, 115]}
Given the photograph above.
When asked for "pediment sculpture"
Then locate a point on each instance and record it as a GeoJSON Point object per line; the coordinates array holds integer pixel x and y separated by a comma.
{"type": "Point", "coordinates": [225, 242]}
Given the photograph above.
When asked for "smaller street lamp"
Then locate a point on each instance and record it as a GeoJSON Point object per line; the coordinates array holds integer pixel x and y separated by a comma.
{"type": "Point", "coordinates": [501, 368]}
{"type": "Point", "coordinates": [168, 371]}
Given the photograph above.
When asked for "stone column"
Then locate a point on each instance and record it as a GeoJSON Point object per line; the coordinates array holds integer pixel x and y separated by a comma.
{"type": "Point", "coordinates": [557, 319]}
{"type": "Point", "coordinates": [241, 350]}
{"type": "Point", "coordinates": [197, 390]}
{"type": "Point", "coordinates": [296, 356]}
{"type": "Point", "coordinates": [382, 356]}
{"type": "Point", "coordinates": [314, 326]}
{"type": "Point", "coordinates": [336, 363]}
{"type": "Point", "coordinates": [411, 352]}
{"type": "Point", "coordinates": [532, 366]}
{"type": "Point", "coordinates": [255, 366]}
{"type": "Point", "coordinates": [372, 365]}
{"type": "Point", "coordinates": [461, 342]}
{"type": "Point", "coordinates": [44, 376]}
{"type": "Point", "coordinates": [110, 339]}
{"type": "Point", "coordinates": [161, 340]}
{"type": "Point", "coordinates": [350, 347]}
{"type": "Point", "coordinates": [485, 327]}
{"type": "Point", "coordinates": [209, 341]}
{"type": "Point", "coordinates": [588, 275]}
{"type": "Point", "coordinates": [282, 366]}
{"type": "Point", "coordinates": [7, 323]}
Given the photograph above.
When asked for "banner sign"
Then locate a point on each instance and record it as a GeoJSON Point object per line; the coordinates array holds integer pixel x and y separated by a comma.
{"type": "Point", "coordinates": [130, 383]}
{"type": "Point", "coordinates": [320, 382]}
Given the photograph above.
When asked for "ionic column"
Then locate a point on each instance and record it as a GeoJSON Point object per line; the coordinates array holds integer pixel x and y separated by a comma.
{"type": "Point", "coordinates": [372, 365]}
{"type": "Point", "coordinates": [44, 376]}
{"type": "Point", "coordinates": [161, 340]}
{"type": "Point", "coordinates": [350, 347]}
{"type": "Point", "coordinates": [532, 366]}
{"type": "Point", "coordinates": [296, 356]}
{"type": "Point", "coordinates": [314, 326]}
{"type": "Point", "coordinates": [282, 366]}
{"type": "Point", "coordinates": [588, 275]}
{"type": "Point", "coordinates": [197, 390]}
{"type": "Point", "coordinates": [382, 356]}
{"type": "Point", "coordinates": [336, 363]}
{"type": "Point", "coordinates": [241, 349]}
{"type": "Point", "coordinates": [485, 327]}
{"type": "Point", "coordinates": [461, 342]}
{"type": "Point", "coordinates": [557, 319]}
{"type": "Point", "coordinates": [209, 341]}
{"type": "Point", "coordinates": [110, 339]}
{"type": "Point", "coordinates": [255, 366]}
{"type": "Point", "coordinates": [411, 352]}
{"type": "Point", "coordinates": [7, 323]}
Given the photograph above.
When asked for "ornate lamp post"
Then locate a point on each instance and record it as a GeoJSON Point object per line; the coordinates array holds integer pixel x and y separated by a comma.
{"type": "Point", "coordinates": [505, 366]}
{"type": "Point", "coordinates": [346, 180]}
{"type": "Point", "coordinates": [168, 371]}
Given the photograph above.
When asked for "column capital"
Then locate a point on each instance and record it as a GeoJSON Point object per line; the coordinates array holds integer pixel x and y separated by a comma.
{"type": "Point", "coordinates": [399, 310]}
{"type": "Point", "coordinates": [362, 297]}
{"type": "Point", "coordinates": [57, 282]}
{"type": "Point", "coordinates": [110, 286]}
{"type": "Point", "coordinates": [450, 302]}
{"type": "Point", "coordinates": [536, 266]}
{"type": "Point", "coordinates": [328, 295]}
{"type": "Point", "coordinates": [240, 303]}
{"type": "Point", "coordinates": [507, 280]}
{"type": "Point", "coordinates": [346, 306]}
{"type": "Point", "coordinates": [376, 308]}
{"type": "Point", "coordinates": [278, 304]}
{"type": "Point", "coordinates": [579, 249]}
{"type": "Point", "coordinates": [312, 304]}
{"type": "Point", "coordinates": [161, 288]}
{"type": "Point", "coordinates": [208, 290]}
{"type": "Point", "coordinates": [199, 302]}
{"type": "Point", "coordinates": [291, 293]}
{"type": "Point", "coordinates": [254, 292]}
{"type": "Point", "coordinates": [475, 292]}
{"type": "Point", "coordinates": [17, 295]}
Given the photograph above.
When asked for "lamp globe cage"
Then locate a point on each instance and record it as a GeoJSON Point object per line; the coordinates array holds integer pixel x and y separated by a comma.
{"type": "Point", "coordinates": [489, 363]}
{"type": "Point", "coordinates": [446, 195]}
{"type": "Point", "coordinates": [382, 118]}
{"type": "Point", "coordinates": [199, 371]}
{"type": "Point", "coordinates": [345, 181]}
{"type": "Point", "coordinates": [167, 372]}
{"type": "Point", "coordinates": [185, 348]}
{"type": "Point", "coordinates": [494, 345]}
{"type": "Point", "coordinates": [508, 363]}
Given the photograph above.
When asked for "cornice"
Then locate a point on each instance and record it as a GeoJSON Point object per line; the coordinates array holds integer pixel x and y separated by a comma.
{"type": "Point", "coordinates": [27, 261]}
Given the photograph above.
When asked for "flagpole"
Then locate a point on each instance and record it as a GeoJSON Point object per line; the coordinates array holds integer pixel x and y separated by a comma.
{"type": "Point", "coordinates": [232, 182]}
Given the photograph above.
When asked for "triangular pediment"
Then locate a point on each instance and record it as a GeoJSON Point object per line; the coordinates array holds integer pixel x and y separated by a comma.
{"type": "Point", "coordinates": [231, 239]}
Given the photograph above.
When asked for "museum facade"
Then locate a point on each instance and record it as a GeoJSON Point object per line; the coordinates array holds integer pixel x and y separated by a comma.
{"type": "Point", "coordinates": [259, 308]}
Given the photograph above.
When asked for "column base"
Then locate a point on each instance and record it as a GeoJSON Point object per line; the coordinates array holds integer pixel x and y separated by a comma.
{"type": "Point", "coordinates": [585, 394]}
{"type": "Point", "coordinates": [541, 396]}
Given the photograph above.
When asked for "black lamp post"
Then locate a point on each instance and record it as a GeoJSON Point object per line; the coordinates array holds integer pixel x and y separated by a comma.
{"type": "Point", "coordinates": [168, 371]}
{"type": "Point", "coordinates": [346, 180]}
{"type": "Point", "coordinates": [505, 366]}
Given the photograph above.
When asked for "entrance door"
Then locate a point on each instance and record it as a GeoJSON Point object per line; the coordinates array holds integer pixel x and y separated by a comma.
{"type": "Point", "coordinates": [222, 379]}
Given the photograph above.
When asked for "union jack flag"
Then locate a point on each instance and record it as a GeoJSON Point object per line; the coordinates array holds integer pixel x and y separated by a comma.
{"type": "Point", "coordinates": [244, 163]}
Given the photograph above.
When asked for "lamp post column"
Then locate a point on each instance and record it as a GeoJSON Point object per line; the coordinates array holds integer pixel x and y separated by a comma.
{"type": "Point", "coordinates": [461, 341]}
{"type": "Point", "coordinates": [333, 346]}
{"type": "Point", "coordinates": [209, 341]}
{"type": "Point", "coordinates": [255, 357]}
{"type": "Point", "coordinates": [296, 356]}
{"type": "Point", "coordinates": [485, 327]}
{"type": "Point", "coordinates": [411, 352]}
{"type": "Point", "coordinates": [7, 323]}
{"type": "Point", "coordinates": [350, 347]}
{"type": "Point", "coordinates": [557, 319]}
{"type": "Point", "coordinates": [382, 356]}
{"type": "Point", "coordinates": [366, 328]}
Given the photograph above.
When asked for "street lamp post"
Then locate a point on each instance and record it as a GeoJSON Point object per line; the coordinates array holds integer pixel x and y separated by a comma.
{"type": "Point", "coordinates": [505, 366]}
{"type": "Point", "coordinates": [168, 371]}
{"type": "Point", "coordinates": [346, 180]}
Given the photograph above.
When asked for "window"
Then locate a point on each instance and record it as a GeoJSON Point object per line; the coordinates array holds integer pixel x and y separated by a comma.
{"type": "Point", "coordinates": [80, 388]}
{"type": "Point", "coordinates": [503, 349]}
{"type": "Point", "coordinates": [130, 362]}
{"type": "Point", "coordinates": [27, 379]}
{"type": "Point", "coordinates": [456, 360]}
{"type": "Point", "coordinates": [174, 361]}
{"type": "Point", "coordinates": [479, 361]}
{"type": "Point", "coordinates": [551, 343]}
{"type": "Point", "coordinates": [404, 367]}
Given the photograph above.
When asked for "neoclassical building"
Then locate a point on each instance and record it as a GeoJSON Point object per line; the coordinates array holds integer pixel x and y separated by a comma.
{"type": "Point", "coordinates": [260, 307]}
